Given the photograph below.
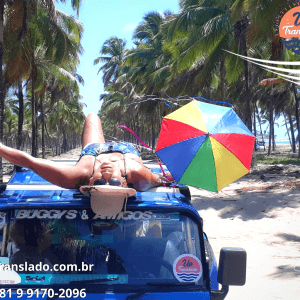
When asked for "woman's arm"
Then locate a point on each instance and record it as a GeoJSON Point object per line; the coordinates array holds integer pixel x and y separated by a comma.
{"type": "Point", "coordinates": [15, 156]}
{"type": "Point", "coordinates": [143, 179]}
{"type": "Point", "coordinates": [56, 173]}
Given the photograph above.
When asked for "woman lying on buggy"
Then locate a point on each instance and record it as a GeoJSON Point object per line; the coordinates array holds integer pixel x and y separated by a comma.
{"type": "Point", "coordinates": [103, 169]}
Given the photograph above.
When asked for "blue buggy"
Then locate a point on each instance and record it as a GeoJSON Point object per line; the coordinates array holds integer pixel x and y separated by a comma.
{"type": "Point", "coordinates": [54, 246]}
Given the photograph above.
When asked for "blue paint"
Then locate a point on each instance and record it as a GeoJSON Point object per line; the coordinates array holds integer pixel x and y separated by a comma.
{"type": "Point", "coordinates": [60, 199]}
{"type": "Point", "coordinates": [64, 199]}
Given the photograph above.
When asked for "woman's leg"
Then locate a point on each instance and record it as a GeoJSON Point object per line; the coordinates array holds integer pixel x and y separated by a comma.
{"type": "Point", "coordinates": [92, 130]}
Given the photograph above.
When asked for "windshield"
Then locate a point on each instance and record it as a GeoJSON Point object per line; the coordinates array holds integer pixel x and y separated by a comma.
{"type": "Point", "coordinates": [61, 246]}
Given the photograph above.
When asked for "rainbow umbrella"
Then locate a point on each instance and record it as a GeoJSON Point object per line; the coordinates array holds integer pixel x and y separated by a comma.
{"type": "Point", "coordinates": [205, 145]}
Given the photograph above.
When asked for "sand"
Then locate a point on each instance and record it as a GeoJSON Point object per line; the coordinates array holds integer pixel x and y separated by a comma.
{"type": "Point", "coordinates": [260, 213]}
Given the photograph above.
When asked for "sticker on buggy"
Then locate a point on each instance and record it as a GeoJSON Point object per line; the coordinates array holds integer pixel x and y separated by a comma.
{"type": "Point", "coordinates": [8, 276]}
{"type": "Point", "coordinates": [187, 268]}
{"type": "Point", "coordinates": [46, 214]}
{"type": "Point", "coordinates": [72, 214]}
{"type": "Point", "coordinates": [128, 215]}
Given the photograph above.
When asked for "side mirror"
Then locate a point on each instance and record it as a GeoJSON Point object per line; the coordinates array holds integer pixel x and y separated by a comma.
{"type": "Point", "coordinates": [232, 266]}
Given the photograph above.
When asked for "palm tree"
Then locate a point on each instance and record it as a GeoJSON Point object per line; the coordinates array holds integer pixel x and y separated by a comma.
{"type": "Point", "coordinates": [71, 123]}
{"type": "Point", "coordinates": [113, 49]}
{"type": "Point", "coordinates": [18, 13]}
{"type": "Point", "coordinates": [198, 29]}
{"type": "Point", "coordinates": [39, 55]}
{"type": "Point", "coordinates": [149, 62]}
{"type": "Point", "coordinates": [203, 29]}
{"type": "Point", "coordinates": [260, 13]}
{"type": "Point", "coordinates": [146, 71]}
{"type": "Point", "coordinates": [10, 125]}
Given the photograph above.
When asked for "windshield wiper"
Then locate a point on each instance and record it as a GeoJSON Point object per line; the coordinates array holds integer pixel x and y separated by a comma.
{"type": "Point", "coordinates": [94, 280]}
{"type": "Point", "coordinates": [171, 283]}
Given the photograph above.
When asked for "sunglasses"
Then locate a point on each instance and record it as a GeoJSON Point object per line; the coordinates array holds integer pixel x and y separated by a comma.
{"type": "Point", "coordinates": [113, 181]}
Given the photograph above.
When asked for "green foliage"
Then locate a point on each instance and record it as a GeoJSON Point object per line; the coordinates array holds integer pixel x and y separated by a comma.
{"type": "Point", "coordinates": [185, 54]}
{"type": "Point", "coordinates": [286, 160]}
{"type": "Point", "coordinates": [41, 50]}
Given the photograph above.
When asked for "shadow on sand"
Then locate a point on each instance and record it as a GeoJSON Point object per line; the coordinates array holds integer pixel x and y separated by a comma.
{"type": "Point", "coordinates": [248, 205]}
{"type": "Point", "coordinates": [289, 237]}
{"type": "Point", "coordinates": [286, 272]}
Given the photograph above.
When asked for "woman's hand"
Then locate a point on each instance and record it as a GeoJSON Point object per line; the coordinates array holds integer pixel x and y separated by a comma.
{"type": "Point", "coordinates": [165, 179]}
{"type": "Point", "coordinates": [106, 170]}
{"type": "Point", "coordinates": [169, 176]}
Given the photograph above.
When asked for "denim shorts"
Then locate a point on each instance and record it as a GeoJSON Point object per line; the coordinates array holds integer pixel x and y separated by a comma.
{"type": "Point", "coordinates": [97, 148]}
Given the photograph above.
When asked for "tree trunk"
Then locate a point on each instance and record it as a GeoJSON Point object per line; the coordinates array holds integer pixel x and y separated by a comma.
{"type": "Point", "coordinates": [58, 130]}
{"type": "Point", "coordinates": [49, 138]}
{"type": "Point", "coordinates": [297, 117]}
{"type": "Point", "coordinates": [273, 134]}
{"type": "Point", "coordinates": [21, 115]}
{"type": "Point", "coordinates": [287, 130]}
{"type": "Point", "coordinates": [153, 133]}
{"type": "Point", "coordinates": [254, 126]}
{"type": "Point", "coordinates": [64, 143]}
{"type": "Point", "coordinates": [43, 128]}
{"type": "Point", "coordinates": [222, 77]}
{"type": "Point", "coordinates": [261, 131]}
{"type": "Point", "coordinates": [33, 121]}
{"type": "Point", "coordinates": [2, 93]}
{"type": "Point", "coordinates": [270, 126]}
{"type": "Point", "coordinates": [133, 140]}
{"type": "Point", "coordinates": [292, 132]}
{"type": "Point", "coordinates": [273, 126]}
{"type": "Point", "coordinates": [137, 124]}
{"type": "Point", "coordinates": [240, 29]}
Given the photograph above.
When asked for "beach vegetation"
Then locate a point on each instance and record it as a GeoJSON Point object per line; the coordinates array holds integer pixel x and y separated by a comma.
{"type": "Point", "coordinates": [279, 158]}
{"type": "Point", "coordinates": [175, 57]}
{"type": "Point", "coordinates": [39, 54]}
{"type": "Point", "coordinates": [180, 55]}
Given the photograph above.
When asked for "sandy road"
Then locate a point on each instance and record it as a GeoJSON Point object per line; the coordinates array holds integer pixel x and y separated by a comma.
{"type": "Point", "coordinates": [267, 225]}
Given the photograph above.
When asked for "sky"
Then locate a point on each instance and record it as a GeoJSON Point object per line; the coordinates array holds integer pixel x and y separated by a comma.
{"type": "Point", "coordinates": [103, 19]}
